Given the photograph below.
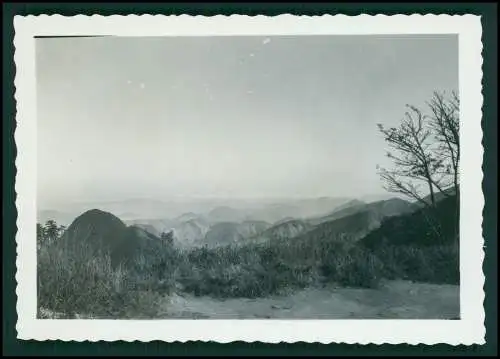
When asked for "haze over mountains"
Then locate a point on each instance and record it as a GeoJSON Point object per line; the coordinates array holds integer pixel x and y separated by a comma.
{"type": "Point", "coordinates": [229, 167]}
{"type": "Point", "coordinates": [216, 223]}
{"type": "Point", "coordinates": [214, 209]}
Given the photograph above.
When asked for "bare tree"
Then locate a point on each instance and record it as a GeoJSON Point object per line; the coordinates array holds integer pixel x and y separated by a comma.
{"type": "Point", "coordinates": [445, 122]}
{"type": "Point", "coordinates": [425, 151]}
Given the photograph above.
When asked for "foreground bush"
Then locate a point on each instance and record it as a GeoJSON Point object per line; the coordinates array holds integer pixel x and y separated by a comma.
{"type": "Point", "coordinates": [84, 282]}
{"type": "Point", "coordinates": [437, 264]}
{"type": "Point", "coordinates": [276, 267]}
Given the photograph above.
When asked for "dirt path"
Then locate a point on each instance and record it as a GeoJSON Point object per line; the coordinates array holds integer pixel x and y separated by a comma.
{"type": "Point", "coordinates": [395, 299]}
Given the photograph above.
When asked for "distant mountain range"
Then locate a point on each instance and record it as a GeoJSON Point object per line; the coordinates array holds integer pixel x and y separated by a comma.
{"type": "Point", "coordinates": [213, 210]}
{"type": "Point", "coordinates": [373, 223]}
{"type": "Point", "coordinates": [354, 219]}
{"type": "Point", "coordinates": [226, 225]}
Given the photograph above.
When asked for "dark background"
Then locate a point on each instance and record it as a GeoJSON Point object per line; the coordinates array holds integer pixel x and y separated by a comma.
{"type": "Point", "coordinates": [12, 346]}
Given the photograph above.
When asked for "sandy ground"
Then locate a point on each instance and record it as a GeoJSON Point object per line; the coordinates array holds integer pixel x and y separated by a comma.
{"type": "Point", "coordinates": [394, 300]}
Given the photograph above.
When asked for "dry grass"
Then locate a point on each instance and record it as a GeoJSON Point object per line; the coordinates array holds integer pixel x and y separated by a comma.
{"type": "Point", "coordinates": [81, 281]}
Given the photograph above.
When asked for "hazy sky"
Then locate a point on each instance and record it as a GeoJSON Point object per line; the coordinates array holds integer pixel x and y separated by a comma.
{"type": "Point", "coordinates": [227, 116]}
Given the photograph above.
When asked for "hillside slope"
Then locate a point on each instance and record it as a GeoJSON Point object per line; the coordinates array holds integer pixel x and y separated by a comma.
{"type": "Point", "coordinates": [423, 227]}
{"type": "Point", "coordinates": [347, 228]}
{"type": "Point", "coordinates": [100, 232]}
{"type": "Point", "coordinates": [285, 230]}
{"type": "Point", "coordinates": [190, 232]}
{"type": "Point", "coordinates": [385, 208]}
{"type": "Point", "coordinates": [233, 233]}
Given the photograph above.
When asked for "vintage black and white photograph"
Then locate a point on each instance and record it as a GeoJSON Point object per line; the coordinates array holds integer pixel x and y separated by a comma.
{"type": "Point", "coordinates": [251, 176]}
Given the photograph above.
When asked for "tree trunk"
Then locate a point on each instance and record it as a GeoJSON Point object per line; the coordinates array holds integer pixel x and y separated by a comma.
{"type": "Point", "coordinates": [431, 190]}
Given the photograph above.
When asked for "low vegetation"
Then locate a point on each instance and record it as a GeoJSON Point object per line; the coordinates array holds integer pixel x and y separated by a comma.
{"type": "Point", "coordinates": [100, 266]}
{"type": "Point", "coordinates": [80, 279]}
{"type": "Point", "coordinates": [81, 282]}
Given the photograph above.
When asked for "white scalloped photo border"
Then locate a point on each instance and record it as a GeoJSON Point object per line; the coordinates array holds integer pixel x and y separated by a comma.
{"type": "Point", "coordinates": [468, 330]}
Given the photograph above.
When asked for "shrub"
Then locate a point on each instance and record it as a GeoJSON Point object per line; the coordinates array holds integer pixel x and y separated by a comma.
{"type": "Point", "coordinates": [83, 281]}
{"type": "Point", "coordinates": [351, 266]}
{"type": "Point", "coordinates": [260, 270]}
{"type": "Point", "coordinates": [433, 264]}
